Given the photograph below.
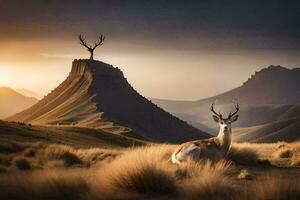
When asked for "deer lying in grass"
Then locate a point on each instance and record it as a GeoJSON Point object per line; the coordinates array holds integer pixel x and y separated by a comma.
{"type": "Point", "coordinates": [214, 148]}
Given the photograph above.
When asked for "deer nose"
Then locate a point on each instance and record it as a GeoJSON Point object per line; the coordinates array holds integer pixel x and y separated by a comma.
{"type": "Point", "coordinates": [225, 127]}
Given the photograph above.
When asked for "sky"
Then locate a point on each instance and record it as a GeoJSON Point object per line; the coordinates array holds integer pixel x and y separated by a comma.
{"type": "Point", "coordinates": [183, 50]}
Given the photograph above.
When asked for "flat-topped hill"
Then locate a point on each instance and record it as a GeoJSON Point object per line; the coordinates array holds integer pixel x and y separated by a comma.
{"type": "Point", "coordinates": [97, 95]}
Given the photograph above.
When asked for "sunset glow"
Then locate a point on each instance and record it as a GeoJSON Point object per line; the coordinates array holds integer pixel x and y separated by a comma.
{"type": "Point", "coordinates": [203, 60]}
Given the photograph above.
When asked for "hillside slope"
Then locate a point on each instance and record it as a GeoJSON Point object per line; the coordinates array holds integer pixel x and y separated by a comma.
{"type": "Point", "coordinates": [270, 94]}
{"type": "Point", "coordinates": [74, 136]}
{"type": "Point", "coordinates": [281, 130]}
{"type": "Point", "coordinates": [12, 102]}
{"type": "Point", "coordinates": [97, 95]}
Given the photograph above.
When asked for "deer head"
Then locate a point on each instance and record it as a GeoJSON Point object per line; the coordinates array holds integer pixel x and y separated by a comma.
{"type": "Point", "coordinates": [225, 123]}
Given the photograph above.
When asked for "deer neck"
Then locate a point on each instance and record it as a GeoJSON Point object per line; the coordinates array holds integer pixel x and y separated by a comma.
{"type": "Point", "coordinates": [224, 139]}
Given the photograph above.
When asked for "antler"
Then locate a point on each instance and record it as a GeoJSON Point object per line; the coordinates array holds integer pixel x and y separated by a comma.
{"type": "Point", "coordinates": [212, 110]}
{"type": "Point", "coordinates": [100, 41]}
{"type": "Point", "coordinates": [237, 108]}
{"type": "Point", "coordinates": [82, 42]}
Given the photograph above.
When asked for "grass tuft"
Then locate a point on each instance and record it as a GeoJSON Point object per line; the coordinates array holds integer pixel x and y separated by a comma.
{"type": "Point", "coordinates": [60, 152]}
{"type": "Point", "coordinates": [21, 163]}
{"type": "Point", "coordinates": [244, 174]}
{"type": "Point", "coordinates": [141, 171]}
{"type": "Point", "coordinates": [283, 152]}
{"type": "Point", "coordinates": [30, 152]}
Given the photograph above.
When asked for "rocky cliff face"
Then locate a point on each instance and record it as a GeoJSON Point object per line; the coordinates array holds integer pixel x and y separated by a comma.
{"type": "Point", "coordinates": [271, 85]}
{"type": "Point", "coordinates": [98, 95]}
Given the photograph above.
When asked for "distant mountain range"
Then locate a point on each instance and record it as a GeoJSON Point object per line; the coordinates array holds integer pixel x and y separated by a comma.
{"type": "Point", "coordinates": [29, 93]}
{"type": "Point", "coordinates": [12, 102]}
{"type": "Point", "coordinates": [272, 94]}
{"type": "Point", "coordinates": [97, 95]}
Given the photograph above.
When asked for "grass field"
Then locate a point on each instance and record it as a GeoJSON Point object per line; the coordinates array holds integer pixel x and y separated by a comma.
{"type": "Point", "coordinates": [70, 163]}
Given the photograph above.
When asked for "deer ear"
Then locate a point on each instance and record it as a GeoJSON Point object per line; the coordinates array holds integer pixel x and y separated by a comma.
{"type": "Point", "coordinates": [234, 118]}
{"type": "Point", "coordinates": [216, 118]}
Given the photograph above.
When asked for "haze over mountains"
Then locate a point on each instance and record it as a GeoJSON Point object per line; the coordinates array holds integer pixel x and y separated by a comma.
{"type": "Point", "coordinates": [12, 102]}
{"type": "Point", "coordinates": [270, 95]}
{"type": "Point", "coordinates": [97, 95]}
{"type": "Point", "coordinates": [29, 93]}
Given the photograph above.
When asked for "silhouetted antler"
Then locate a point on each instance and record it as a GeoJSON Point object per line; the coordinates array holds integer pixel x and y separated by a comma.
{"type": "Point", "coordinates": [91, 49]}
{"type": "Point", "coordinates": [237, 108]}
{"type": "Point", "coordinates": [82, 42]}
{"type": "Point", "coordinates": [212, 110]}
{"type": "Point", "coordinates": [100, 41]}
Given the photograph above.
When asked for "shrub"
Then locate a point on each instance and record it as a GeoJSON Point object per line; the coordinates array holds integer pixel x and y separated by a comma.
{"type": "Point", "coordinates": [244, 174]}
{"type": "Point", "coordinates": [283, 152]}
{"type": "Point", "coordinates": [30, 152]}
{"type": "Point", "coordinates": [21, 163]}
{"type": "Point", "coordinates": [94, 155]}
{"type": "Point", "coordinates": [138, 172]}
{"type": "Point", "coordinates": [59, 152]}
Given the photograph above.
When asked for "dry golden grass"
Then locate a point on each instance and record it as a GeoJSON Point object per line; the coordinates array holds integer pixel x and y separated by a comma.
{"type": "Point", "coordinates": [275, 188]}
{"type": "Point", "coordinates": [39, 156]}
{"type": "Point", "coordinates": [243, 154]}
{"type": "Point", "coordinates": [141, 173]}
{"type": "Point", "coordinates": [295, 160]}
{"type": "Point", "coordinates": [244, 174]}
{"type": "Point", "coordinates": [21, 163]}
{"type": "Point", "coordinates": [206, 180]}
{"type": "Point", "coordinates": [43, 185]}
{"type": "Point", "coordinates": [93, 156]}
{"type": "Point", "coordinates": [13, 147]}
{"type": "Point", "coordinates": [289, 151]}
{"type": "Point", "coordinates": [283, 152]}
{"type": "Point", "coordinates": [59, 152]}
{"type": "Point", "coordinates": [147, 172]}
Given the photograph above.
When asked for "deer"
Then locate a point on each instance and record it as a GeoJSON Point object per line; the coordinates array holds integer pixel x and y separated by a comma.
{"type": "Point", "coordinates": [215, 148]}
{"type": "Point", "coordinates": [91, 48]}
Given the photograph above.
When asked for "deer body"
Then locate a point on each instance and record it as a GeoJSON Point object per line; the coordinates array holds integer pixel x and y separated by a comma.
{"type": "Point", "coordinates": [214, 148]}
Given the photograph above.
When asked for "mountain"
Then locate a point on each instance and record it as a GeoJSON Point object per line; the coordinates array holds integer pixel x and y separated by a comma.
{"type": "Point", "coordinates": [12, 102]}
{"type": "Point", "coordinates": [98, 95]}
{"type": "Point", "coordinates": [282, 130]}
{"type": "Point", "coordinates": [30, 93]}
{"type": "Point", "coordinates": [266, 96]}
